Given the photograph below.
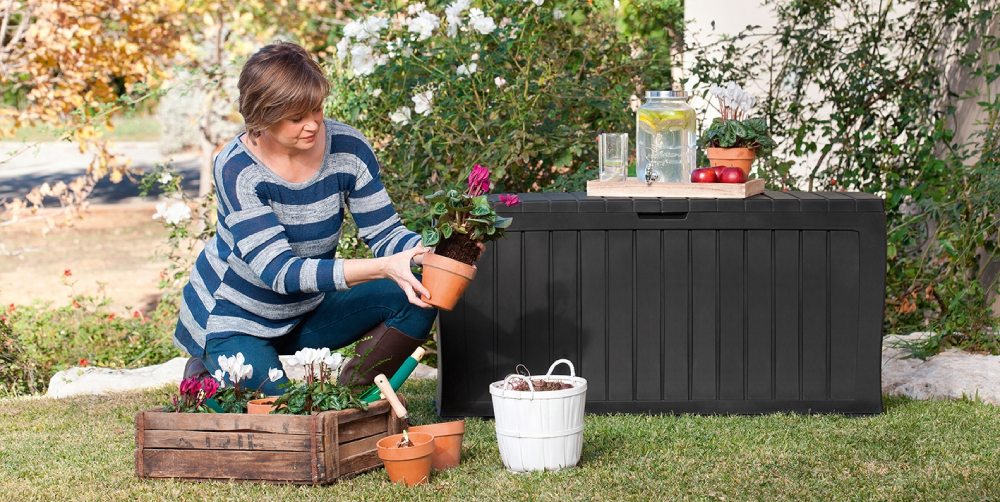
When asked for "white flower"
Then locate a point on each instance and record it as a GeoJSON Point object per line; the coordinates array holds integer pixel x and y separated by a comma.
{"type": "Point", "coordinates": [558, 14]}
{"type": "Point", "coordinates": [165, 178]}
{"type": "Point", "coordinates": [401, 116]}
{"type": "Point", "coordinates": [481, 23]}
{"type": "Point", "coordinates": [500, 82]}
{"type": "Point", "coordinates": [220, 376]}
{"type": "Point", "coordinates": [176, 213]}
{"type": "Point", "coordinates": [322, 354]}
{"type": "Point", "coordinates": [353, 29]}
{"type": "Point", "coordinates": [377, 92]}
{"type": "Point", "coordinates": [333, 360]}
{"type": "Point", "coordinates": [423, 24]}
{"type": "Point", "coordinates": [453, 15]}
{"type": "Point", "coordinates": [618, 5]}
{"type": "Point", "coordinates": [362, 59]}
{"type": "Point", "coordinates": [505, 22]}
{"type": "Point", "coordinates": [539, 2]}
{"type": "Point", "coordinates": [423, 102]}
{"type": "Point", "coordinates": [467, 70]}
{"type": "Point", "coordinates": [274, 374]}
{"type": "Point", "coordinates": [416, 8]}
{"type": "Point", "coordinates": [343, 48]}
{"type": "Point", "coordinates": [634, 103]}
{"type": "Point", "coordinates": [637, 52]}
{"type": "Point", "coordinates": [372, 26]}
{"type": "Point", "coordinates": [474, 57]}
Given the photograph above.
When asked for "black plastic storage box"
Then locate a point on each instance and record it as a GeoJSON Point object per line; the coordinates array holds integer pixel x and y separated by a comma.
{"type": "Point", "coordinates": [771, 303]}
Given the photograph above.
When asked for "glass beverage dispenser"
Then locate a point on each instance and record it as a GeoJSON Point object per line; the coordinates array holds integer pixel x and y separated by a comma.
{"type": "Point", "coordinates": [665, 138]}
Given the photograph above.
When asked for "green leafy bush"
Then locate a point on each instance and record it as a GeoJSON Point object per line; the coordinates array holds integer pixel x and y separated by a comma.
{"type": "Point", "coordinates": [518, 87]}
{"type": "Point", "coordinates": [865, 96]}
{"type": "Point", "coordinates": [39, 340]}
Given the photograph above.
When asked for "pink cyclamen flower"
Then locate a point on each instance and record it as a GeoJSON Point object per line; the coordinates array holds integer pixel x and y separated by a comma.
{"type": "Point", "coordinates": [209, 385]}
{"type": "Point", "coordinates": [190, 386]}
{"type": "Point", "coordinates": [479, 180]}
{"type": "Point", "coordinates": [509, 199]}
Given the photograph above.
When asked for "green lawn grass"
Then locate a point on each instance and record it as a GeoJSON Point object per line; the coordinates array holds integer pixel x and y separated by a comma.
{"type": "Point", "coordinates": [134, 127]}
{"type": "Point", "coordinates": [82, 449]}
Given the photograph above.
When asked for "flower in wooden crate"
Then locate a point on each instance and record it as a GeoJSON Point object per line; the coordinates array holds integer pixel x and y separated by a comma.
{"type": "Point", "coordinates": [319, 391]}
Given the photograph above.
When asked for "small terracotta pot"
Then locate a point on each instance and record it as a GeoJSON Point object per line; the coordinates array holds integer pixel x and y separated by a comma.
{"type": "Point", "coordinates": [411, 465]}
{"type": "Point", "coordinates": [447, 443]}
{"type": "Point", "coordinates": [262, 406]}
{"type": "Point", "coordinates": [446, 279]}
{"type": "Point", "coordinates": [731, 157]}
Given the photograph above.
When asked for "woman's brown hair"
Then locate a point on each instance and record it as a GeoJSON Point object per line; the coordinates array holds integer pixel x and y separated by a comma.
{"type": "Point", "coordinates": [279, 81]}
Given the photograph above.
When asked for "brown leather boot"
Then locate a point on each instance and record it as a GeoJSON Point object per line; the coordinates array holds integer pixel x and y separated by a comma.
{"type": "Point", "coordinates": [381, 350]}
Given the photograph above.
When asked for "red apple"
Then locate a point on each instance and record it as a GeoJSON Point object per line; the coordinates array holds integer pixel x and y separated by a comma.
{"type": "Point", "coordinates": [733, 175]}
{"type": "Point", "coordinates": [718, 171]}
{"type": "Point", "coordinates": [703, 175]}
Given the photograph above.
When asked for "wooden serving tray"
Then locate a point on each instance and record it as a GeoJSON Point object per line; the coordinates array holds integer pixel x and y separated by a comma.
{"type": "Point", "coordinates": [637, 188]}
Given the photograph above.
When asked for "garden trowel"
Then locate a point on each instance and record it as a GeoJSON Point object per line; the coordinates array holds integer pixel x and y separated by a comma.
{"type": "Point", "coordinates": [382, 384]}
{"type": "Point", "coordinates": [372, 394]}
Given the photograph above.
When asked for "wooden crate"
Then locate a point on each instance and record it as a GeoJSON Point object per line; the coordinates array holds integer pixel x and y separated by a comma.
{"type": "Point", "coordinates": [301, 449]}
{"type": "Point", "coordinates": [637, 188]}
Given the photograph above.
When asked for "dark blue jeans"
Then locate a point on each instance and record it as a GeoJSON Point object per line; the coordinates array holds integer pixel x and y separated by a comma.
{"type": "Point", "coordinates": [340, 320]}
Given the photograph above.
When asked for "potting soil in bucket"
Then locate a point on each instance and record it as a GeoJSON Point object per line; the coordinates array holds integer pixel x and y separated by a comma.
{"type": "Point", "coordinates": [539, 430]}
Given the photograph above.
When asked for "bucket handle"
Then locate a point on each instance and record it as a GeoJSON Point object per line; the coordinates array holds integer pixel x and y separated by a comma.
{"type": "Point", "coordinates": [572, 370]}
{"type": "Point", "coordinates": [506, 383]}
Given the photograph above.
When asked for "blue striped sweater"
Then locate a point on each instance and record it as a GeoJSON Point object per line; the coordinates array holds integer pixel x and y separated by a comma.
{"type": "Point", "coordinates": [273, 257]}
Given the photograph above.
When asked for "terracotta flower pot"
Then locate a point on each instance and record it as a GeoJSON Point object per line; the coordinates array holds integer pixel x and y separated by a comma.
{"type": "Point", "coordinates": [261, 406]}
{"type": "Point", "coordinates": [447, 443]}
{"type": "Point", "coordinates": [731, 157]}
{"type": "Point", "coordinates": [410, 465]}
{"type": "Point", "coordinates": [446, 279]}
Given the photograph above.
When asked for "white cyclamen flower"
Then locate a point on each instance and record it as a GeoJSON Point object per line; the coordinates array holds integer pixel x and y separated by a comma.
{"type": "Point", "coordinates": [423, 102]}
{"type": "Point", "coordinates": [220, 376]}
{"type": "Point", "coordinates": [423, 24]}
{"type": "Point", "coordinates": [401, 116]}
{"type": "Point", "coordinates": [467, 69]}
{"type": "Point", "coordinates": [333, 361]}
{"type": "Point", "coordinates": [481, 23]}
{"type": "Point", "coordinates": [274, 374]}
{"type": "Point", "coordinates": [165, 178]}
{"type": "Point", "coordinates": [558, 14]}
{"type": "Point", "coordinates": [177, 212]}
{"type": "Point", "coordinates": [500, 82]}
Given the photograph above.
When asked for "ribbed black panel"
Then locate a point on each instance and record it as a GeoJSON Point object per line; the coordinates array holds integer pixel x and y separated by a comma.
{"type": "Point", "coordinates": [772, 303]}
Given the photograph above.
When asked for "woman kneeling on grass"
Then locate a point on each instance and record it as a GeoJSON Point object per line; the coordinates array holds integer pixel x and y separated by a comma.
{"type": "Point", "coordinates": [269, 283]}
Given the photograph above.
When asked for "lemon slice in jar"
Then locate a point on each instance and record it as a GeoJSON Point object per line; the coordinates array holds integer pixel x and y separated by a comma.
{"type": "Point", "coordinates": [658, 120]}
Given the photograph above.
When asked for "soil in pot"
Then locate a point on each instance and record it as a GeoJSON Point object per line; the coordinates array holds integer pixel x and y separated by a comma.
{"type": "Point", "coordinates": [447, 443]}
{"type": "Point", "coordinates": [458, 247]}
{"type": "Point", "coordinates": [407, 460]}
{"type": "Point", "coordinates": [540, 384]}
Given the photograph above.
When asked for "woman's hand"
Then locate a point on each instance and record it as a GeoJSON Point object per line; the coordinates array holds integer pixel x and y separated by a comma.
{"type": "Point", "coordinates": [397, 268]}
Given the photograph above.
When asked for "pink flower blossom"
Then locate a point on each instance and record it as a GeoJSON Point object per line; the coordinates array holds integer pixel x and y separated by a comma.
{"type": "Point", "coordinates": [509, 199]}
{"type": "Point", "coordinates": [479, 180]}
{"type": "Point", "coordinates": [209, 386]}
{"type": "Point", "coordinates": [190, 386]}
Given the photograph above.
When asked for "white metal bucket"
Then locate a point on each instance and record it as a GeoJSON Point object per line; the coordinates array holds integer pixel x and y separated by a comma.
{"type": "Point", "coordinates": [540, 431]}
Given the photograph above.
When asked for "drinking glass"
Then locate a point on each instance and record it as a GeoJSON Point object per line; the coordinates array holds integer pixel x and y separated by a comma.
{"type": "Point", "coordinates": [613, 156]}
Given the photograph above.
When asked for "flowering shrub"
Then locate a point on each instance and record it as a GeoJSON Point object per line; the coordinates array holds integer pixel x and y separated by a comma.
{"type": "Point", "coordinates": [319, 391]}
{"type": "Point", "coordinates": [460, 219]}
{"type": "Point", "coordinates": [521, 85]}
{"type": "Point", "coordinates": [735, 129]}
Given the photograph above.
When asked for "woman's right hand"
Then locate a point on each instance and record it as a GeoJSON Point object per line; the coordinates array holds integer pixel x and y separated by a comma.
{"type": "Point", "coordinates": [397, 268]}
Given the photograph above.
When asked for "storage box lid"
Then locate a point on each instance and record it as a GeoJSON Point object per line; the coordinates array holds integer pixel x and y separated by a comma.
{"type": "Point", "coordinates": [769, 201]}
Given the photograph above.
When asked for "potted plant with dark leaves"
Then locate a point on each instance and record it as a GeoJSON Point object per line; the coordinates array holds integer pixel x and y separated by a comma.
{"type": "Point", "coordinates": [460, 221]}
{"type": "Point", "coordinates": [735, 139]}
{"type": "Point", "coordinates": [319, 390]}
{"type": "Point", "coordinates": [233, 398]}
